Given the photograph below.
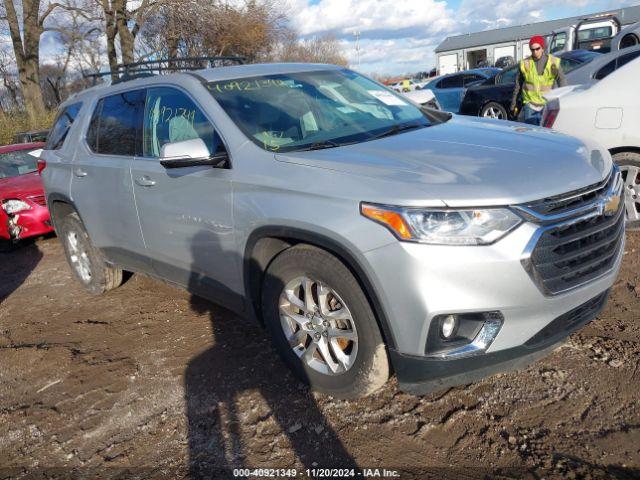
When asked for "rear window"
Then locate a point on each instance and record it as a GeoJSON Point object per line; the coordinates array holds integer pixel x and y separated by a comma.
{"type": "Point", "coordinates": [61, 126]}
{"type": "Point", "coordinates": [594, 33]}
{"type": "Point", "coordinates": [16, 163]}
{"type": "Point", "coordinates": [115, 124]}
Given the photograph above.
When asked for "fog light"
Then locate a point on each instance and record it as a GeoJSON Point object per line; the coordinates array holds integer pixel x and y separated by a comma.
{"type": "Point", "coordinates": [448, 326]}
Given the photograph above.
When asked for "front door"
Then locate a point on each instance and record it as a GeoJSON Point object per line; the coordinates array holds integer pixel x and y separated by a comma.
{"type": "Point", "coordinates": [186, 213]}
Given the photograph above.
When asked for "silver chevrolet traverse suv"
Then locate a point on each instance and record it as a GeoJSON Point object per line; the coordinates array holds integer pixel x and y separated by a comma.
{"type": "Point", "coordinates": [370, 236]}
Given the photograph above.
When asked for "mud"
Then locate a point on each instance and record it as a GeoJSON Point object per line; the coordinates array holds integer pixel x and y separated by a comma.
{"type": "Point", "coordinates": [148, 381]}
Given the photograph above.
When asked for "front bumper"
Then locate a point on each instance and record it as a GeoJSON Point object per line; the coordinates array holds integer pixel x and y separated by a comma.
{"type": "Point", "coordinates": [25, 224]}
{"type": "Point", "coordinates": [421, 375]}
{"type": "Point", "coordinates": [419, 282]}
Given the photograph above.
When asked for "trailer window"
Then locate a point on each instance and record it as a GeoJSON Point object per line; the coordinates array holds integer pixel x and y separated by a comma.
{"type": "Point", "coordinates": [594, 33]}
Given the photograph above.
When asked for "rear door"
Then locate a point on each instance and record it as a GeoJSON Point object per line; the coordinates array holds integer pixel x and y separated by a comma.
{"type": "Point", "coordinates": [101, 186]}
{"type": "Point", "coordinates": [186, 213]}
{"type": "Point", "coordinates": [448, 92]}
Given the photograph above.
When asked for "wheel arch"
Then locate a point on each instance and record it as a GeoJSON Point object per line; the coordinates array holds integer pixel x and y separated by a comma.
{"type": "Point", "coordinates": [615, 150]}
{"type": "Point", "coordinates": [59, 206]}
{"type": "Point", "coordinates": [266, 243]}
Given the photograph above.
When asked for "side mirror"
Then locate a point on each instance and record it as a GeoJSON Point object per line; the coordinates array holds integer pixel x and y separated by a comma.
{"type": "Point", "coordinates": [191, 153]}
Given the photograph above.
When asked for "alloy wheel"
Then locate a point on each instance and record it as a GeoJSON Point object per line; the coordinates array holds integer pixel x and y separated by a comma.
{"type": "Point", "coordinates": [79, 257]}
{"type": "Point", "coordinates": [493, 112]}
{"type": "Point", "coordinates": [318, 325]}
{"type": "Point", "coordinates": [631, 177]}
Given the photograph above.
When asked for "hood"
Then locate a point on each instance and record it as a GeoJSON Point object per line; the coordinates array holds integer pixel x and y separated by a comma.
{"type": "Point", "coordinates": [22, 186]}
{"type": "Point", "coordinates": [467, 162]}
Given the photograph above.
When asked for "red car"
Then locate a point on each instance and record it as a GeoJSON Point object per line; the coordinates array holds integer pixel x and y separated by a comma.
{"type": "Point", "coordinates": [23, 208]}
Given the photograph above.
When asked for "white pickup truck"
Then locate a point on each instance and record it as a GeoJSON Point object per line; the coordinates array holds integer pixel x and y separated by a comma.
{"type": "Point", "coordinates": [591, 33]}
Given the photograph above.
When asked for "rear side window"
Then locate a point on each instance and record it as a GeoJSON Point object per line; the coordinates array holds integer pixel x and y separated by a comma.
{"type": "Point", "coordinates": [606, 70]}
{"type": "Point", "coordinates": [61, 126]}
{"type": "Point", "coordinates": [626, 58]}
{"type": "Point", "coordinates": [115, 124]}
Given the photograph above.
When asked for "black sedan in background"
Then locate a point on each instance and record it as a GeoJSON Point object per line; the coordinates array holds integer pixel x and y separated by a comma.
{"type": "Point", "coordinates": [492, 98]}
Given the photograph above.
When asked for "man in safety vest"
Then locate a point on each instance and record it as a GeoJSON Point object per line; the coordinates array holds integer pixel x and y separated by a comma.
{"type": "Point", "coordinates": [537, 75]}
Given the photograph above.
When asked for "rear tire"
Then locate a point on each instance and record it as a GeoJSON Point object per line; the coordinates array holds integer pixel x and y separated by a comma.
{"type": "Point", "coordinates": [629, 163]}
{"type": "Point", "coordinates": [87, 262]}
{"type": "Point", "coordinates": [343, 326]}
{"type": "Point", "coordinates": [494, 110]}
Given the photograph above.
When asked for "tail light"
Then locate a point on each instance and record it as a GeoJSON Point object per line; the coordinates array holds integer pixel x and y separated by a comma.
{"type": "Point", "coordinates": [550, 114]}
{"type": "Point", "coordinates": [42, 164]}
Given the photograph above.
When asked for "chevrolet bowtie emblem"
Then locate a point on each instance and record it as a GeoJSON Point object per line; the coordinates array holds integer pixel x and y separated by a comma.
{"type": "Point", "coordinates": [611, 205]}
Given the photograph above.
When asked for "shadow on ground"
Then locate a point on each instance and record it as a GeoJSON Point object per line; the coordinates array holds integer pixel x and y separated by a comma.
{"type": "Point", "coordinates": [243, 360]}
{"type": "Point", "coordinates": [16, 266]}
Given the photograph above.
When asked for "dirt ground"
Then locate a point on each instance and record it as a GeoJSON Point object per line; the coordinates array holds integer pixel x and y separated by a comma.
{"type": "Point", "coordinates": [148, 381]}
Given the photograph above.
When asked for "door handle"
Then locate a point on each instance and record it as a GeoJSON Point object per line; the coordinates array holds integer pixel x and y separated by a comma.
{"type": "Point", "coordinates": [145, 181]}
{"type": "Point", "coordinates": [78, 172]}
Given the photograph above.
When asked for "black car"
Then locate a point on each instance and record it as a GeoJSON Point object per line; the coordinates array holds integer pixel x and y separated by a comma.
{"type": "Point", "coordinates": [492, 98]}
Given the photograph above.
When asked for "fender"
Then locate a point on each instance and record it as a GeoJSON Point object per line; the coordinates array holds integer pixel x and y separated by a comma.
{"type": "Point", "coordinates": [290, 236]}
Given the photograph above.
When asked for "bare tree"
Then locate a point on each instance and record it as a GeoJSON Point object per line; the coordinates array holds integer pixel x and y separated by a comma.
{"type": "Point", "coordinates": [10, 99]}
{"type": "Point", "coordinates": [324, 49]}
{"type": "Point", "coordinates": [196, 28]}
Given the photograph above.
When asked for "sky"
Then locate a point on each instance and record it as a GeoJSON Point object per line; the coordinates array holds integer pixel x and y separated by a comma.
{"type": "Point", "coordinates": [399, 36]}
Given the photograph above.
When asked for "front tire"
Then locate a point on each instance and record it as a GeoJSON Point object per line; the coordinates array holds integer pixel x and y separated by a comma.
{"type": "Point", "coordinates": [629, 163]}
{"type": "Point", "coordinates": [494, 110]}
{"type": "Point", "coordinates": [87, 262]}
{"type": "Point", "coordinates": [322, 324]}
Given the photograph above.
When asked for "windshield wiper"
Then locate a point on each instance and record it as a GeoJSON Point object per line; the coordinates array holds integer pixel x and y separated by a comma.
{"type": "Point", "coordinates": [397, 129]}
{"type": "Point", "coordinates": [320, 146]}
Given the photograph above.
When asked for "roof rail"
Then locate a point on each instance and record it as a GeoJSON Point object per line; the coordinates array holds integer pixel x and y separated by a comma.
{"type": "Point", "coordinates": [130, 71]}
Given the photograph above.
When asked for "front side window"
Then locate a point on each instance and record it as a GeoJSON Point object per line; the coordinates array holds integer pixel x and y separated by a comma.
{"type": "Point", "coordinates": [508, 76]}
{"type": "Point", "coordinates": [472, 78]}
{"type": "Point", "coordinates": [309, 110]}
{"type": "Point", "coordinates": [61, 127]}
{"type": "Point", "coordinates": [115, 124]}
{"type": "Point", "coordinates": [171, 116]}
{"type": "Point", "coordinates": [19, 162]}
{"type": "Point", "coordinates": [454, 81]}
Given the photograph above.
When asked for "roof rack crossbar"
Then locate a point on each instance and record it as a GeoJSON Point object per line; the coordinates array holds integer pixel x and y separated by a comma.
{"type": "Point", "coordinates": [129, 71]}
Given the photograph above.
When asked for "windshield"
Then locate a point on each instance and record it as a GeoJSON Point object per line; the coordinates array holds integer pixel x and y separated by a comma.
{"type": "Point", "coordinates": [19, 162]}
{"type": "Point", "coordinates": [309, 110]}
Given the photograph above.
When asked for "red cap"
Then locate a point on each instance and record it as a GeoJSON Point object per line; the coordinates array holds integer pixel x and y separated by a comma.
{"type": "Point", "coordinates": [537, 39]}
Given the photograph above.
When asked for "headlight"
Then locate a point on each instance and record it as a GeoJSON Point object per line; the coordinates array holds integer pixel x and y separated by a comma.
{"type": "Point", "coordinates": [15, 206]}
{"type": "Point", "coordinates": [481, 226]}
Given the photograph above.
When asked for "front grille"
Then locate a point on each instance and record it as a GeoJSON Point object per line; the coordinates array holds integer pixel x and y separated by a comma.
{"type": "Point", "coordinates": [568, 322]}
{"type": "Point", "coordinates": [562, 204]}
{"type": "Point", "coordinates": [579, 251]}
{"type": "Point", "coordinates": [39, 199]}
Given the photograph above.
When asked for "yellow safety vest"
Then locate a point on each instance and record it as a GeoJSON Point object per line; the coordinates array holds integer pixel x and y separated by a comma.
{"type": "Point", "coordinates": [535, 86]}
